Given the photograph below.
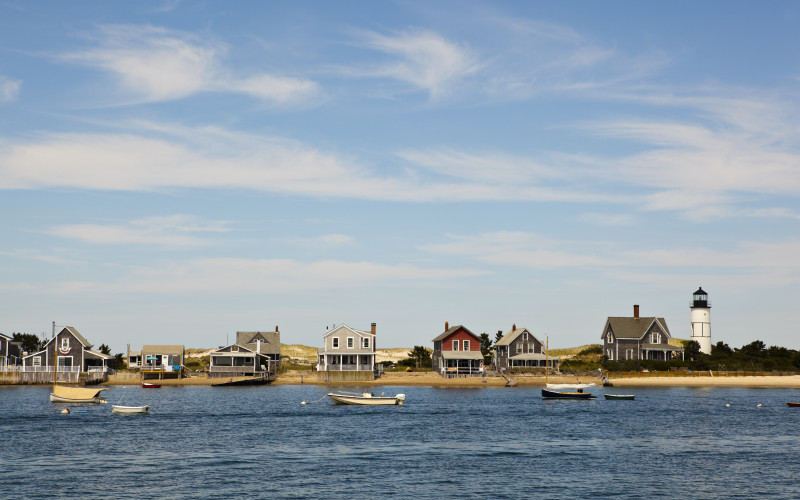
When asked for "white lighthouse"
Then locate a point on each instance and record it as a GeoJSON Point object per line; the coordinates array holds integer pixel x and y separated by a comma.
{"type": "Point", "coordinates": [701, 320]}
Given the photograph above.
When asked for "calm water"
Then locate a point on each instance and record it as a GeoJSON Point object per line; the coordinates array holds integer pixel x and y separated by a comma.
{"type": "Point", "coordinates": [202, 442]}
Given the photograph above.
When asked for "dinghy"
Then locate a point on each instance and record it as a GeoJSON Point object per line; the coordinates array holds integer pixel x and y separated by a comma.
{"type": "Point", "coordinates": [130, 409]}
{"type": "Point", "coordinates": [366, 398]}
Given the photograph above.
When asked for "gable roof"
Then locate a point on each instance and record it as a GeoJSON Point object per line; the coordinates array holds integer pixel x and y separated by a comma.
{"type": "Point", "coordinates": [75, 334]}
{"type": "Point", "coordinates": [452, 330]}
{"type": "Point", "coordinates": [513, 334]}
{"type": "Point", "coordinates": [345, 327]}
{"type": "Point", "coordinates": [633, 328]}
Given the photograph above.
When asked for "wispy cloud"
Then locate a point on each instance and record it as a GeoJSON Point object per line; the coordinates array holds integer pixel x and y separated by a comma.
{"type": "Point", "coordinates": [421, 58]}
{"type": "Point", "coordinates": [9, 89]}
{"type": "Point", "coordinates": [166, 231]}
{"type": "Point", "coordinates": [232, 276]}
{"type": "Point", "coordinates": [156, 64]}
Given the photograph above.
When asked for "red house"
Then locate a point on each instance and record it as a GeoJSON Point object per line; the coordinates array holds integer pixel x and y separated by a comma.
{"type": "Point", "coordinates": [457, 351]}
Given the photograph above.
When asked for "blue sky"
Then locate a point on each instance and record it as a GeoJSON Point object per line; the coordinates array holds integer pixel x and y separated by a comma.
{"type": "Point", "coordinates": [172, 172]}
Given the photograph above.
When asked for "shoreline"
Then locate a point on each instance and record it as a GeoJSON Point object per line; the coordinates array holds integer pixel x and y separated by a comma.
{"type": "Point", "coordinates": [431, 379]}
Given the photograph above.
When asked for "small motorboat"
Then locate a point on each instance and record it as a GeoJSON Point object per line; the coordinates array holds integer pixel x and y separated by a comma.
{"type": "Point", "coordinates": [130, 409]}
{"type": "Point", "coordinates": [148, 385]}
{"type": "Point", "coordinates": [619, 396]}
{"type": "Point", "coordinates": [62, 394]}
{"type": "Point", "coordinates": [793, 405]}
{"type": "Point", "coordinates": [366, 398]}
{"type": "Point", "coordinates": [567, 391]}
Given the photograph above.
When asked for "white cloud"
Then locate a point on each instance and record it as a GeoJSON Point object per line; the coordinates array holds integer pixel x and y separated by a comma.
{"type": "Point", "coordinates": [423, 59]}
{"type": "Point", "coordinates": [232, 276]}
{"type": "Point", "coordinates": [157, 64]}
{"type": "Point", "coordinates": [9, 89]}
{"type": "Point", "coordinates": [168, 231]}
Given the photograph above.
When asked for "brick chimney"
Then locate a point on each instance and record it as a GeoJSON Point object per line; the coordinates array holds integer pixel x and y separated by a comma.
{"type": "Point", "coordinates": [446, 326]}
{"type": "Point", "coordinates": [373, 328]}
{"type": "Point", "coordinates": [636, 311]}
{"type": "Point", "coordinates": [276, 328]}
{"type": "Point", "coordinates": [513, 327]}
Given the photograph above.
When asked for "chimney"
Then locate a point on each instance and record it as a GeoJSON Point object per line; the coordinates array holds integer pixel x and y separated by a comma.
{"type": "Point", "coordinates": [276, 328]}
{"type": "Point", "coordinates": [373, 328]}
{"type": "Point", "coordinates": [446, 326]}
{"type": "Point", "coordinates": [513, 327]}
{"type": "Point", "coordinates": [636, 311]}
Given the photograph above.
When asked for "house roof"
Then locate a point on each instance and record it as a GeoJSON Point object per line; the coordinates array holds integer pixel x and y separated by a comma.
{"type": "Point", "coordinates": [462, 355]}
{"type": "Point", "coordinates": [78, 336]}
{"type": "Point", "coordinates": [452, 330]}
{"type": "Point", "coordinates": [633, 328]}
{"type": "Point", "coordinates": [99, 354]}
{"type": "Point", "coordinates": [529, 356]}
{"type": "Point", "coordinates": [270, 341]}
{"type": "Point", "coordinates": [512, 335]}
{"type": "Point", "coordinates": [162, 349]}
{"type": "Point", "coordinates": [662, 347]}
{"type": "Point", "coordinates": [345, 327]}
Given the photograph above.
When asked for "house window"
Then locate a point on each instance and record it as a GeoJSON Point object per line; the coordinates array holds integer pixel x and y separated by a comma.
{"type": "Point", "coordinates": [610, 354]}
{"type": "Point", "coordinates": [455, 345]}
{"type": "Point", "coordinates": [335, 342]}
{"type": "Point", "coordinates": [37, 361]}
{"type": "Point", "coordinates": [519, 347]}
{"type": "Point", "coordinates": [366, 342]}
{"type": "Point", "coordinates": [628, 353]}
{"type": "Point", "coordinates": [525, 335]}
{"type": "Point", "coordinates": [531, 348]}
{"type": "Point", "coordinates": [466, 345]}
{"type": "Point", "coordinates": [655, 338]}
{"type": "Point", "coordinates": [349, 342]}
{"type": "Point", "coordinates": [609, 338]}
{"type": "Point", "coordinates": [65, 342]}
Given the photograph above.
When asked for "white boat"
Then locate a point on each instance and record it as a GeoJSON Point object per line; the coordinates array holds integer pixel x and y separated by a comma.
{"type": "Point", "coordinates": [130, 409]}
{"type": "Point", "coordinates": [62, 394]}
{"type": "Point", "coordinates": [366, 398]}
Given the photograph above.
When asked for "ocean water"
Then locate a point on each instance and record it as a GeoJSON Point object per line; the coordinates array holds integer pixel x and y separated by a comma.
{"type": "Point", "coordinates": [260, 442]}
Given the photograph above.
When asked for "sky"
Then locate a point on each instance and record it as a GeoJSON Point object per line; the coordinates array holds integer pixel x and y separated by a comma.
{"type": "Point", "coordinates": [173, 172]}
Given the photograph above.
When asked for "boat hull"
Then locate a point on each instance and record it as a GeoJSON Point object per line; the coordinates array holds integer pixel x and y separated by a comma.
{"type": "Point", "coordinates": [345, 399]}
{"type": "Point", "coordinates": [793, 405]}
{"type": "Point", "coordinates": [61, 399]}
{"type": "Point", "coordinates": [548, 394]}
{"type": "Point", "coordinates": [619, 396]}
{"type": "Point", "coordinates": [145, 385]}
{"type": "Point", "coordinates": [130, 409]}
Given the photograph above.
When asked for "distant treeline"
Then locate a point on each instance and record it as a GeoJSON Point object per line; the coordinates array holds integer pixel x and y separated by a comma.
{"type": "Point", "coordinates": [755, 356]}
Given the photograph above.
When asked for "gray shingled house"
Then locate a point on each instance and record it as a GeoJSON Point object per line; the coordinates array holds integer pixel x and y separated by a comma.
{"type": "Point", "coordinates": [645, 338]}
{"type": "Point", "coordinates": [519, 349]}
{"type": "Point", "coordinates": [75, 356]}
{"type": "Point", "coordinates": [255, 354]}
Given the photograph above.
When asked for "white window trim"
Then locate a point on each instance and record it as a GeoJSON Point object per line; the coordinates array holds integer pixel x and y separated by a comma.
{"type": "Point", "coordinates": [365, 342]}
{"type": "Point", "coordinates": [65, 342]}
{"type": "Point", "coordinates": [519, 347]}
{"type": "Point", "coordinates": [350, 342]}
{"type": "Point", "coordinates": [465, 343]}
{"type": "Point", "coordinates": [37, 361]}
{"type": "Point", "coordinates": [455, 345]}
{"type": "Point", "coordinates": [531, 348]}
{"type": "Point", "coordinates": [335, 342]}
{"type": "Point", "coordinates": [609, 338]}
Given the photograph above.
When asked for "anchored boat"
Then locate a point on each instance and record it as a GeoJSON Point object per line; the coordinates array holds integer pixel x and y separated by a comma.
{"type": "Point", "coordinates": [130, 409]}
{"type": "Point", "coordinates": [619, 396]}
{"type": "Point", "coordinates": [63, 394]}
{"type": "Point", "coordinates": [562, 391]}
{"type": "Point", "coordinates": [366, 398]}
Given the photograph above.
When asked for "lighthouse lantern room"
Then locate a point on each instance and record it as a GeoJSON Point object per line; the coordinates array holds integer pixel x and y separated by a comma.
{"type": "Point", "coordinates": [701, 320]}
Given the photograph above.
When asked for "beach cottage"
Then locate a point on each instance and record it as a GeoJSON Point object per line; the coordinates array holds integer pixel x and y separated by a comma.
{"type": "Point", "coordinates": [643, 338]}
{"type": "Point", "coordinates": [457, 352]}
{"type": "Point", "coordinates": [10, 353]}
{"type": "Point", "coordinates": [158, 361]}
{"type": "Point", "coordinates": [255, 356]}
{"type": "Point", "coordinates": [348, 354]}
{"type": "Point", "coordinates": [76, 360]}
{"type": "Point", "coordinates": [519, 350]}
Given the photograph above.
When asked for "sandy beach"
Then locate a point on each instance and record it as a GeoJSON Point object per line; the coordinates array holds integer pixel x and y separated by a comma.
{"type": "Point", "coordinates": [433, 380]}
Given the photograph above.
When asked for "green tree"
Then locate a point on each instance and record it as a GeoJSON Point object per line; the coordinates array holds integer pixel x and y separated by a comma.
{"type": "Point", "coordinates": [29, 342]}
{"type": "Point", "coordinates": [486, 348]}
{"type": "Point", "coordinates": [421, 356]}
{"type": "Point", "coordinates": [119, 361]}
{"type": "Point", "coordinates": [104, 349]}
{"type": "Point", "coordinates": [691, 350]}
{"type": "Point", "coordinates": [498, 336]}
